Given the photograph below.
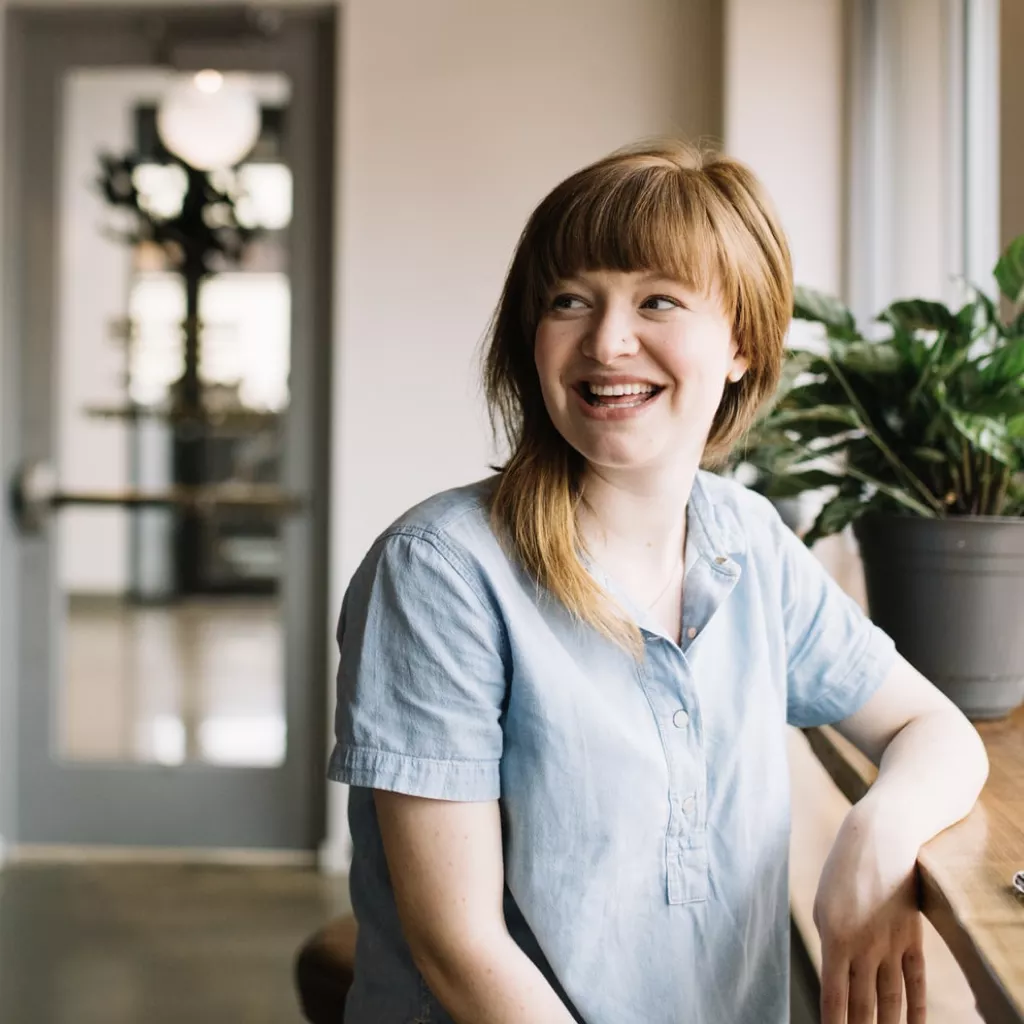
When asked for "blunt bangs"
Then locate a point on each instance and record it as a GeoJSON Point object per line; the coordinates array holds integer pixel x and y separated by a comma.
{"type": "Point", "coordinates": [637, 216]}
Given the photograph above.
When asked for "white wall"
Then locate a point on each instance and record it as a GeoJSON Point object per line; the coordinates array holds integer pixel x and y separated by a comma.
{"type": "Point", "coordinates": [917, 244]}
{"type": "Point", "coordinates": [457, 116]}
{"type": "Point", "coordinates": [784, 94]}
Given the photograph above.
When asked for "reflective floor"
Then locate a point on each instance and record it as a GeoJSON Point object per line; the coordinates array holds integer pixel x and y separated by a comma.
{"type": "Point", "coordinates": [197, 681]}
{"type": "Point", "coordinates": [127, 944]}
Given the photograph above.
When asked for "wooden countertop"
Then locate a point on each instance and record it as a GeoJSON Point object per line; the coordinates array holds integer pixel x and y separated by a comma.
{"type": "Point", "coordinates": [966, 873]}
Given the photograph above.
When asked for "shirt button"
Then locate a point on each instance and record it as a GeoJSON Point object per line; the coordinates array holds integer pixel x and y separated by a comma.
{"type": "Point", "coordinates": [689, 804]}
{"type": "Point", "coordinates": [691, 632]}
{"type": "Point", "coordinates": [680, 719]}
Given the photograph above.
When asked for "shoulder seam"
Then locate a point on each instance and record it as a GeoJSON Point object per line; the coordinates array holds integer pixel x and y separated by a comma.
{"type": "Point", "coordinates": [437, 540]}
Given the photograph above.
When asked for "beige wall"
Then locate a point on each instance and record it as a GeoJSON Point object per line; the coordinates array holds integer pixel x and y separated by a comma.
{"type": "Point", "coordinates": [457, 116]}
{"type": "Point", "coordinates": [1011, 121]}
{"type": "Point", "coordinates": [784, 116]}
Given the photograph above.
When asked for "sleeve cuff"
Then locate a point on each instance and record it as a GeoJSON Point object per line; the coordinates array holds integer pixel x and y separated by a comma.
{"type": "Point", "coordinates": [868, 669]}
{"type": "Point", "coordinates": [416, 776]}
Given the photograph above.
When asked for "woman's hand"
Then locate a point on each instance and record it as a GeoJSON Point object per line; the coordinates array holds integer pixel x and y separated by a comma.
{"type": "Point", "coordinates": [867, 916]}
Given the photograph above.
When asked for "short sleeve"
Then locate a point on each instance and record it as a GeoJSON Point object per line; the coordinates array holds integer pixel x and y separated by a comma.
{"type": "Point", "coordinates": [421, 677]}
{"type": "Point", "coordinates": [836, 656]}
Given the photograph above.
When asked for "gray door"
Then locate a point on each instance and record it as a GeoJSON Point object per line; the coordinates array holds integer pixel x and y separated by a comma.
{"type": "Point", "coordinates": [164, 654]}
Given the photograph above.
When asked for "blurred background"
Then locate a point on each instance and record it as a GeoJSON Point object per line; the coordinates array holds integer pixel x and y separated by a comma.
{"type": "Point", "coordinates": [249, 254]}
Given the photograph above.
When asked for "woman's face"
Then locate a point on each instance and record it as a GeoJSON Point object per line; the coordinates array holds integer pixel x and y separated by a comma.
{"type": "Point", "coordinates": [632, 367]}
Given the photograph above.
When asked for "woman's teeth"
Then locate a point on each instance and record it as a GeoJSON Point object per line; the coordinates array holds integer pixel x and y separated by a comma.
{"type": "Point", "coordinates": [622, 396]}
{"type": "Point", "coordinates": [610, 390]}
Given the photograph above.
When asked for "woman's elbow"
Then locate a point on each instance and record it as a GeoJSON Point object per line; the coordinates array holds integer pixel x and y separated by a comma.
{"type": "Point", "coordinates": [454, 965]}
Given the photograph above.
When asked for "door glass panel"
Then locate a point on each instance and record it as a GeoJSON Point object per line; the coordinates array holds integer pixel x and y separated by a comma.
{"type": "Point", "coordinates": [158, 664]}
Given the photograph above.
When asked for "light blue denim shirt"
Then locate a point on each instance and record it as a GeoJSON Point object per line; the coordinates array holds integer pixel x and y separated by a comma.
{"type": "Point", "coordinates": [645, 805]}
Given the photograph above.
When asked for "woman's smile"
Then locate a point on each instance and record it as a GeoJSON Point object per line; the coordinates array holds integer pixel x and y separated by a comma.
{"type": "Point", "coordinates": [615, 399]}
{"type": "Point", "coordinates": [632, 366]}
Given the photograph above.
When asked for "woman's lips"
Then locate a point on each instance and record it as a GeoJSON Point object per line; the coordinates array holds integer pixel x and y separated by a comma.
{"type": "Point", "coordinates": [617, 407]}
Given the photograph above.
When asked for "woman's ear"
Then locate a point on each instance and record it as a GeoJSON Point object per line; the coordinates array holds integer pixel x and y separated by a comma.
{"type": "Point", "coordinates": [738, 368]}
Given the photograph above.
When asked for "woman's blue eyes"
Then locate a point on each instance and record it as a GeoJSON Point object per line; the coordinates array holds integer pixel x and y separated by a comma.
{"type": "Point", "coordinates": [657, 303]}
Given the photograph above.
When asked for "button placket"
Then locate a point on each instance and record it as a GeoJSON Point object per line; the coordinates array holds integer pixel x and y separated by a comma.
{"type": "Point", "coordinates": [685, 852]}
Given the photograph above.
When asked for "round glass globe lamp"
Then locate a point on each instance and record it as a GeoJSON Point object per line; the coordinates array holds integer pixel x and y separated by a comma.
{"type": "Point", "coordinates": [209, 121]}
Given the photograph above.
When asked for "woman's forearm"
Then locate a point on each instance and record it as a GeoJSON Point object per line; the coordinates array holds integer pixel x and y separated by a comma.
{"type": "Point", "coordinates": [929, 778]}
{"type": "Point", "coordinates": [495, 982]}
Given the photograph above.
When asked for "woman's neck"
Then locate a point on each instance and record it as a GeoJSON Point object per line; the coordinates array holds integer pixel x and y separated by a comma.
{"type": "Point", "coordinates": [628, 520]}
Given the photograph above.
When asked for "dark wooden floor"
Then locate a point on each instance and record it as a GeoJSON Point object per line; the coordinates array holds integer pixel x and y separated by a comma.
{"type": "Point", "coordinates": [143, 944]}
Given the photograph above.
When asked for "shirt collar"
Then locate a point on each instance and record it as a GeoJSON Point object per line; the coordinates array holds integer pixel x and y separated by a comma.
{"type": "Point", "coordinates": [713, 535]}
{"type": "Point", "coordinates": [713, 528]}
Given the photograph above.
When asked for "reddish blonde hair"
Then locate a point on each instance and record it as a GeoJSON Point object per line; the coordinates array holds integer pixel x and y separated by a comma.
{"type": "Point", "coordinates": [700, 218]}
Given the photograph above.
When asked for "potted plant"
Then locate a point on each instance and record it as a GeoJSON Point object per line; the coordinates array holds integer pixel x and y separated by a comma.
{"type": "Point", "coordinates": [769, 463]}
{"type": "Point", "coordinates": [919, 433]}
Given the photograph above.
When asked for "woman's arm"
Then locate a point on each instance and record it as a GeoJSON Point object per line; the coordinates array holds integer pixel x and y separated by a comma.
{"type": "Point", "coordinates": [931, 760]}
{"type": "Point", "coordinates": [932, 766]}
{"type": "Point", "coordinates": [446, 866]}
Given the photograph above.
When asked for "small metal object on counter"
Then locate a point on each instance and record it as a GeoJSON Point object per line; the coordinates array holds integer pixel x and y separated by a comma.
{"type": "Point", "coordinates": [1018, 882]}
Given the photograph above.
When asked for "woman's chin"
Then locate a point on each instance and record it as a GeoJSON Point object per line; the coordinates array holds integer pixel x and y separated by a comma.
{"type": "Point", "coordinates": [617, 458]}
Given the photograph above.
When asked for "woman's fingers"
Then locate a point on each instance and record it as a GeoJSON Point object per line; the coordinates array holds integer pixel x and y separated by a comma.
{"type": "Point", "coordinates": [890, 990]}
{"type": "Point", "coordinates": [863, 986]}
{"type": "Point", "coordinates": [914, 976]}
{"type": "Point", "coordinates": [835, 989]}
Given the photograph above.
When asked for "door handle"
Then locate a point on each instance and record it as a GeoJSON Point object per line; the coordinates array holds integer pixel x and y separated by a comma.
{"type": "Point", "coordinates": [35, 494]}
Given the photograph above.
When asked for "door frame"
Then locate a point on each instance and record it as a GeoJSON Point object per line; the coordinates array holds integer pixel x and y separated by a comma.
{"type": "Point", "coordinates": [307, 455]}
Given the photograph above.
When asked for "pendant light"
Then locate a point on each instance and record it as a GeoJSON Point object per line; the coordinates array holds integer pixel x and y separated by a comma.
{"type": "Point", "coordinates": [209, 121]}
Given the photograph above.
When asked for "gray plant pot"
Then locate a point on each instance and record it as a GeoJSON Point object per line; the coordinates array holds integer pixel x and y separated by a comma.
{"type": "Point", "coordinates": [950, 592]}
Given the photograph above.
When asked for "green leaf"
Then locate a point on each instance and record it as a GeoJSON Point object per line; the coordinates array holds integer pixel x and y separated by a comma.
{"type": "Point", "coordinates": [1009, 271]}
{"type": "Point", "coordinates": [869, 357]}
{"type": "Point", "coordinates": [919, 315]}
{"type": "Point", "coordinates": [897, 494]}
{"type": "Point", "coordinates": [815, 393]}
{"type": "Point", "coordinates": [987, 434]}
{"type": "Point", "coordinates": [1006, 363]}
{"type": "Point", "coordinates": [837, 514]}
{"type": "Point", "coordinates": [978, 314]}
{"type": "Point", "coordinates": [841, 414]}
{"type": "Point", "coordinates": [930, 455]}
{"type": "Point", "coordinates": [1002, 405]}
{"type": "Point", "coordinates": [818, 307]}
{"type": "Point", "coordinates": [789, 485]}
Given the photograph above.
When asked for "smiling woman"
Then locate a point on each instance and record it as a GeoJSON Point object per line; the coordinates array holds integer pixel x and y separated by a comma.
{"type": "Point", "coordinates": [563, 691]}
{"type": "Point", "coordinates": [659, 265]}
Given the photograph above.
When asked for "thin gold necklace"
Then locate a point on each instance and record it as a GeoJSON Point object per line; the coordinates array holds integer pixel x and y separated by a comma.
{"type": "Point", "coordinates": [664, 589]}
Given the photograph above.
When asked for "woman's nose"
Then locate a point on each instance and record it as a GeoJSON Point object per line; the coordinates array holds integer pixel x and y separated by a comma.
{"type": "Point", "coordinates": [611, 335]}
